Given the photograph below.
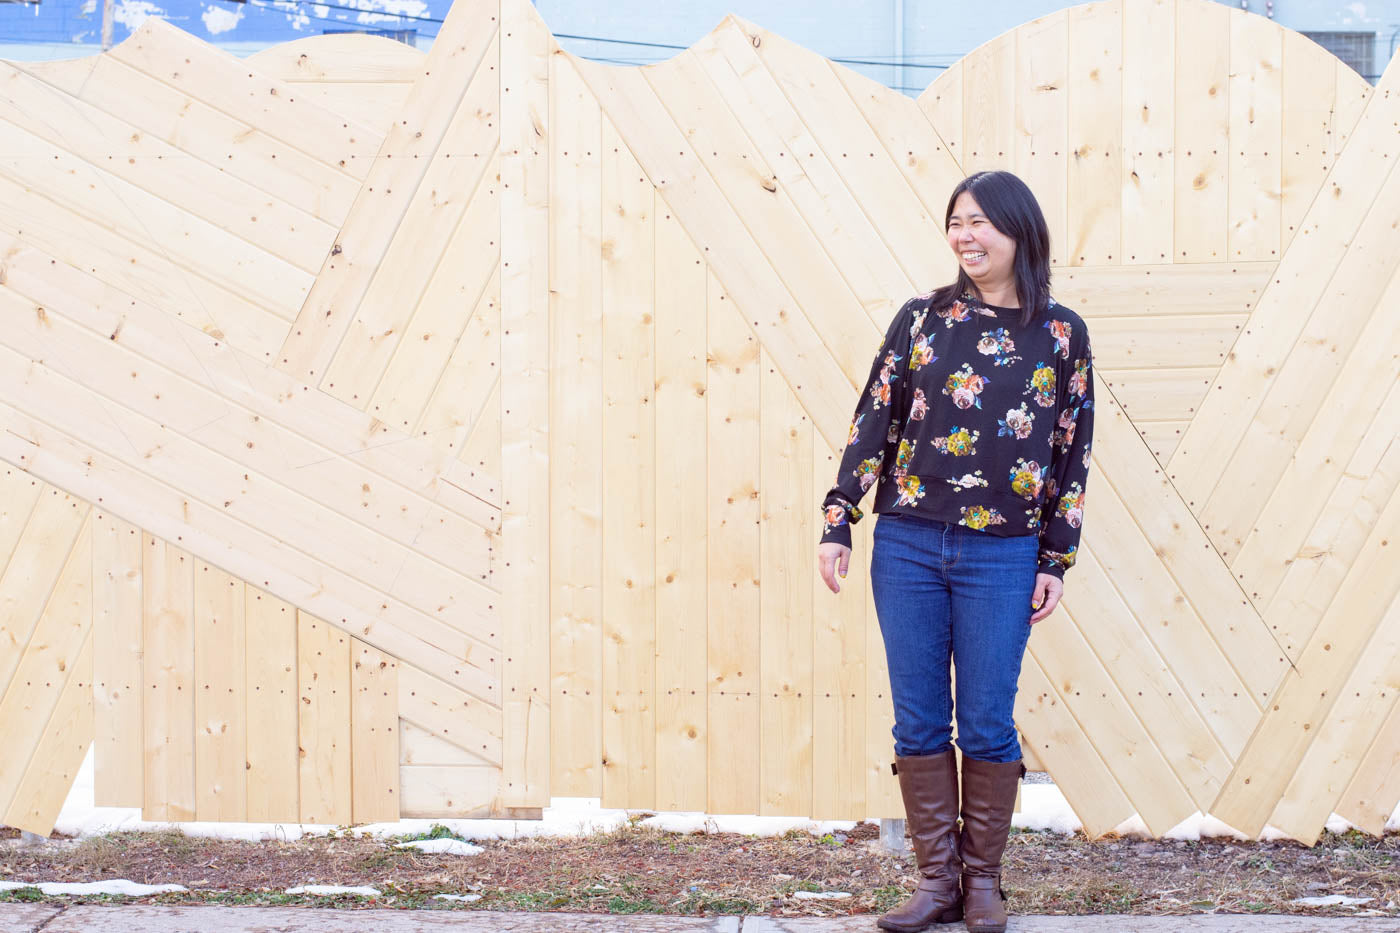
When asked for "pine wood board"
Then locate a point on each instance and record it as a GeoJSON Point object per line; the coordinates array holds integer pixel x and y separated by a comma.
{"type": "Point", "coordinates": [629, 488]}
{"type": "Point", "coordinates": [374, 735]}
{"type": "Point", "coordinates": [324, 776]}
{"type": "Point", "coordinates": [242, 549]}
{"type": "Point", "coordinates": [732, 556]}
{"type": "Point", "coordinates": [168, 724]}
{"type": "Point", "coordinates": [452, 601]}
{"type": "Point", "coordinates": [786, 532]}
{"type": "Point", "coordinates": [855, 136]}
{"type": "Point", "coordinates": [576, 452]}
{"type": "Point", "coordinates": [220, 697]}
{"type": "Point", "coordinates": [224, 82]}
{"type": "Point", "coordinates": [390, 183]}
{"type": "Point", "coordinates": [1148, 121]}
{"type": "Point", "coordinates": [1256, 137]}
{"type": "Point", "coordinates": [438, 334]}
{"type": "Point", "coordinates": [692, 193]}
{"type": "Point", "coordinates": [801, 167]}
{"type": "Point", "coordinates": [525, 416]}
{"type": "Point", "coordinates": [681, 335]}
{"type": "Point", "coordinates": [719, 147]}
{"type": "Point", "coordinates": [67, 737]}
{"type": "Point", "coordinates": [117, 652]}
{"type": "Point", "coordinates": [1095, 134]}
{"type": "Point", "coordinates": [273, 702]}
{"type": "Point", "coordinates": [323, 189]}
{"type": "Point", "coordinates": [1200, 221]}
{"type": "Point", "coordinates": [48, 658]}
{"type": "Point", "coordinates": [455, 174]}
{"type": "Point", "coordinates": [1041, 142]}
{"type": "Point", "coordinates": [1300, 283]}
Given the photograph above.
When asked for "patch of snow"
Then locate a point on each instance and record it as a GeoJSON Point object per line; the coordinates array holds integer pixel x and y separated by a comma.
{"type": "Point", "coordinates": [464, 898]}
{"type": "Point", "coordinates": [132, 13]}
{"type": "Point", "coordinates": [1335, 824]}
{"type": "Point", "coordinates": [821, 895]}
{"type": "Point", "coordinates": [221, 19]}
{"type": "Point", "coordinates": [1198, 826]}
{"type": "Point", "coordinates": [1331, 900]}
{"type": "Point", "coordinates": [1044, 808]}
{"type": "Point", "coordinates": [442, 846]}
{"type": "Point", "coordinates": [118, 886]}
{"type": "Point", "coordinates": [319, 890]}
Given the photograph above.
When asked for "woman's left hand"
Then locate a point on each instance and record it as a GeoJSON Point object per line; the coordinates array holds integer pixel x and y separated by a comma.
{"type": "Point", "coordinates": [1048, 590]}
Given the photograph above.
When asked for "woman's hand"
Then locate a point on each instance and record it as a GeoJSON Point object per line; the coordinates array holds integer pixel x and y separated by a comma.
{"type": "Point", "coordinates": [1048, 590]}
{"type": "Point", "coordinates": [833, 559]}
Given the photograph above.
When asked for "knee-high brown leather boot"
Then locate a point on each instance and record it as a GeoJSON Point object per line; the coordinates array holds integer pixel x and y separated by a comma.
{"type": "Point", "coordinates": [988, 797]}
{"type": "Point", "coordinates": [929, 786]}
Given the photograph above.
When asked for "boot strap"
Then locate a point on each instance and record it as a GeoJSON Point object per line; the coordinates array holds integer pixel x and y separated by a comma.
{"type": "Point", "coordinates": [937, 885]}
{"type": "Point", "coordinates": [981, 882]}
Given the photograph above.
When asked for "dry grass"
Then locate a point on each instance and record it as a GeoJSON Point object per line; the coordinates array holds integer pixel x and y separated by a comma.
{"type": "Point", "coordinates": [637, 870]}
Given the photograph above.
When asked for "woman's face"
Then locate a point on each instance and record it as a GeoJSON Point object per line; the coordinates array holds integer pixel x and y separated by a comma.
{"type": "Point", "coordinates": [985, 253]}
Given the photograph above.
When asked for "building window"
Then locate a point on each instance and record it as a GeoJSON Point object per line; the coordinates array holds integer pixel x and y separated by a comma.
{"type": "Point", "coordinates": [1357, 49]}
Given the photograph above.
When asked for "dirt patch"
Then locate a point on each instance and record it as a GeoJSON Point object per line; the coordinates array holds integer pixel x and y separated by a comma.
{"type": "Point", "coordinates": [639, 870]}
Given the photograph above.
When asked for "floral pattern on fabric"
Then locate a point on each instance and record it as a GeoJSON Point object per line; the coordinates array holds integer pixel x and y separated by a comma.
{"type": "Point", "coordinates": [998, 343]}
{"type": "Point", "coordinates": [1041, 385]}
{"type": "Point", "coordinates": [1017, 423]}
{"type": "Point", "coordinates": [911, 490]}
{"type": "Point", "coordinates": [935, 432]}
{"type": "Point", "coordinates": [1028, 479]}
{"type": "Point", "coordinates": [964, 387]}
{"type": "Point", "coordinates": [919, 407]}
{"type": "Point", "coordinates": [980, 516]}
{"type": "Point", "coordinates": [1060, 331]}
{"type": "Point", "coordinates": [971, 480]}
{"type": "Point", "coordinates": [960, 442]}
{"type": "Point", "coordinates": [869, 470]}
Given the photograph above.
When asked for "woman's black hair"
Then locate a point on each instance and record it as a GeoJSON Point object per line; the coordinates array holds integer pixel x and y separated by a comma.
{"type": "Point", "coordinates": [1012, 209]}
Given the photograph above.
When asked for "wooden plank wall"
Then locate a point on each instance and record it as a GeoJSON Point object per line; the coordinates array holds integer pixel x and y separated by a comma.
{"type": "Point", "coordinates": [484, 455]}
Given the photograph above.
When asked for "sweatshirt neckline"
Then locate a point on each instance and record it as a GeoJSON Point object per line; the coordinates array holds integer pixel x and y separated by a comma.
{"type": "Point", "coordinates": [998, 310]}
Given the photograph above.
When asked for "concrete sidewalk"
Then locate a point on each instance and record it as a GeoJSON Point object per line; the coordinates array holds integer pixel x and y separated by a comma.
{"type": "Point", "coordinates": [115, 918]}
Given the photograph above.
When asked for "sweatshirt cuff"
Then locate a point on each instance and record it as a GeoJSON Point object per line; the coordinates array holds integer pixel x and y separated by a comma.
{"type": "Point", "coordinates": [1056, 563]}
{"type": "Point", "coordinates": [836, 527]}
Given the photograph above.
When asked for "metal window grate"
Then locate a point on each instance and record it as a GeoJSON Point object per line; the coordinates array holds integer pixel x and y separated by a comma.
{"type": "Point", "coordinates": [1357, 49]}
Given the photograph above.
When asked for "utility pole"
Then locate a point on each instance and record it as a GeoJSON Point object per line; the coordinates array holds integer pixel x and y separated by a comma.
{"type": "Point", "coordinates": [106, 24]}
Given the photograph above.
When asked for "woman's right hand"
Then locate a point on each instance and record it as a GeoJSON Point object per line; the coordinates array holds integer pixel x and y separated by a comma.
{"type": "Point", "coordinates": [832, 560]}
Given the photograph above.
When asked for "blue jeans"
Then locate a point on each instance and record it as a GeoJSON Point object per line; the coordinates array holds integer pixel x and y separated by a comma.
{"type": "Point", "coordinates": [949, 594]}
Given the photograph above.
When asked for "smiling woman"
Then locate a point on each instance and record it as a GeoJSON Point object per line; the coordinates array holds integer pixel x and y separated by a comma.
{"type": "Point", "coordinates": [976, 424]}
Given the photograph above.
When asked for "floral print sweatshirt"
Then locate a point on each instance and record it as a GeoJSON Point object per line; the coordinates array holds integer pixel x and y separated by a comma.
{"type": "Point", "coordinates": [972, 419]}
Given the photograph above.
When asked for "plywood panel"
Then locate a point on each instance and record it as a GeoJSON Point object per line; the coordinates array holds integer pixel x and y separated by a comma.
{"type": "Point", "coordinates": [1042, 115]}
{"type": "Point", "coordinates": [117, 652]}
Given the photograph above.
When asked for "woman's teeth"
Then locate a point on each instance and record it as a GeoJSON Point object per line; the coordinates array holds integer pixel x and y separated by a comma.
{"type": "Point", "coordinates": [974, 257]}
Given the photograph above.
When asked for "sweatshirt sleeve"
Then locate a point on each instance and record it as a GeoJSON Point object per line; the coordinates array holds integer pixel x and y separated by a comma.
{"type": "Point", "coordinates": [1063, 511]}
{"type": "Point", "coordinates": [871, 427]}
